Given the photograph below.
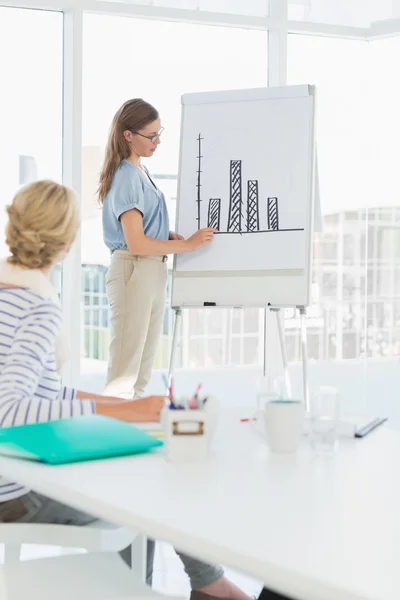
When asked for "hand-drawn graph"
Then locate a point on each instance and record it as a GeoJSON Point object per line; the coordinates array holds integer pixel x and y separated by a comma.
{"type": "Point", "coordinates": [214, 213]}
{"type": "Point", "coordinates": [253, 217]}
{"type": "Point", "coordinates": [238, 223]}
{"type": "Point", "coordinates": [235, 199]}
{"type": "Point", "coordinates": [272, 212]}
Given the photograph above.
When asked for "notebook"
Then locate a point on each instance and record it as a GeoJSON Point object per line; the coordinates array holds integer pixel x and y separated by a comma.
{"type": "Point", "coordinates": [73, 440]}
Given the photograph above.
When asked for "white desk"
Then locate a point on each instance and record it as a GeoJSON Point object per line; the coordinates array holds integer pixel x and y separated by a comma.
{"type": "Point", "coordinates": [316, 529]}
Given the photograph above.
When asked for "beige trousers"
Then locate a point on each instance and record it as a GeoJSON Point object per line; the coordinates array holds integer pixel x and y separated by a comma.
{"type": "Point", "coordinates": [136, 293]}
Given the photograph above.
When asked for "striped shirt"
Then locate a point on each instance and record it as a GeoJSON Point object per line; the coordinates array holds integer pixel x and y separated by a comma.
{"type": "Point", "coordinates": [30, 385]}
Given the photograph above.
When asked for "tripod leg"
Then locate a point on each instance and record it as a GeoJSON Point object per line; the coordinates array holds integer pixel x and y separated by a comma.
{"type": "Point", "coordinates": [175, 337]}
{"type": "Point", "coordinates": [286, 376]}
{"type": "Point", "coordinates": [304, 355]}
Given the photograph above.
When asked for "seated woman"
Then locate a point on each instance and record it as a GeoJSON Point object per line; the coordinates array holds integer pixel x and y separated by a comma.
{"type": "Point", "coordinates": [43, 220]}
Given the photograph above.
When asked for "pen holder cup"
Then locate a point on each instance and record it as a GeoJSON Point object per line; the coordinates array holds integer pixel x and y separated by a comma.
{"type": "Point", "coordinates": [186, 435]}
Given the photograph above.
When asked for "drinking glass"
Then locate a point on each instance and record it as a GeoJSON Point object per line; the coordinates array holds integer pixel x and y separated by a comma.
{"type": "Point", "coordinates": [324, 420]}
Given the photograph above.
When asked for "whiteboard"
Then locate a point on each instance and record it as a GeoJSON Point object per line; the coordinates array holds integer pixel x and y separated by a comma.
{"type": "Point", "coordinates": [247, 167]}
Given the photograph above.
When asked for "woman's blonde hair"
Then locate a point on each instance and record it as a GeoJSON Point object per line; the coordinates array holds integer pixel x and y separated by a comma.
{"type": "Point", "coordinates": [43, 219]}
{"type": "Point", "coordinates": [133, 116]}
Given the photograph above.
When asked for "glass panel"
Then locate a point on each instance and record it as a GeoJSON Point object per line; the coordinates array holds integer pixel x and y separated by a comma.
{"type": "Point", "coordinates": [213, 58]}
{"type": "Point", "coordinates": [30, 101]}
{"type": "Point", "coordinates": [356, 265]}
{"type": "Point", "coordinates": [338, 69]}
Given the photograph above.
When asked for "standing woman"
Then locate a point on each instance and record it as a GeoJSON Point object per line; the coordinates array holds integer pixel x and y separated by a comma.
{"type": "Point", "coordinates": [136, 230]}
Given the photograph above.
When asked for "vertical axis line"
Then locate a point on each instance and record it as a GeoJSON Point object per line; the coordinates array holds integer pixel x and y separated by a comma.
{"type": "Point", "coordinates": [199, 157]}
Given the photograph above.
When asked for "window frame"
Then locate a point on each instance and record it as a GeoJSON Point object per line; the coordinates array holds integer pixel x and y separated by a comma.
{"type": "Point", "coordinates": [277, 28]}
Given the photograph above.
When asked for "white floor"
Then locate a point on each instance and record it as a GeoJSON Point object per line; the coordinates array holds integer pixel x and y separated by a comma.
{"type": "Point", "coordinates": [169, 577]}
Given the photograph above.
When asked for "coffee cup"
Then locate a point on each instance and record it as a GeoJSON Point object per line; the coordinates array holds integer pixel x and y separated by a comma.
{"type": "Point", "coordinates": [281, 424]}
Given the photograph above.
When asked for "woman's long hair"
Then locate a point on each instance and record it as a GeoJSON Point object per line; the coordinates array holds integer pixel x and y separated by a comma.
{"type": "Point", "coordinates": [132, 116]}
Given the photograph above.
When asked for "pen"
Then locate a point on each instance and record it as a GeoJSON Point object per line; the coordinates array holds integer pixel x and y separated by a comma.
{"type": "Point", "coordinates": [194, 400]}
{"type": "Point", "coordinates": [370, 427]}
{"type": "Point", "coordinates": [165, 382]}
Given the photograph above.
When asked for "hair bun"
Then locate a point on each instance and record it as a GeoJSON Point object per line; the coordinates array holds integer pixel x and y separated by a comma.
{"type": "Point", "coordinates": [42, 222]}
{"type": "Point", "coordinates": [34, 237]}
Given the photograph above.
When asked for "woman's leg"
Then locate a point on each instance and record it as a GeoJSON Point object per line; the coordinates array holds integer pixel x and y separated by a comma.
{"type": "Point", "coordinates": [130, 311]}
{"type": "Point", "coordinates": [209, 580]}
{"type": "Point", "coordinates": [34, 508]}
{"type": "Point", "coordinates": [157, 273]}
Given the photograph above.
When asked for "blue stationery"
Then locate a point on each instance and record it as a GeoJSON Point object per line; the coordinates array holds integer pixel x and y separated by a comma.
{"type": "Point", "coordinates": [73, 440]}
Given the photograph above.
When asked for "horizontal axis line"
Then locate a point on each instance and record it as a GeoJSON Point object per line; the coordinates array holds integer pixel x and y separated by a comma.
{"type": "Point", "coordinates": [257, 231]}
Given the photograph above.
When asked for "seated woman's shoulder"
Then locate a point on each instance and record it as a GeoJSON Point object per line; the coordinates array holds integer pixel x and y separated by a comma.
{"type": "Point", "coordinates": [26, 303]}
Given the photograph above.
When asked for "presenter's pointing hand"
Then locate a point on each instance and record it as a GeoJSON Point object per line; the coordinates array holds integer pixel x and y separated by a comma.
{"type": "Point", "coordinates": [201, 238]}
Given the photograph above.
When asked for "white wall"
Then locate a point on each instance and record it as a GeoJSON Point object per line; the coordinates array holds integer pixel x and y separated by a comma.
{"type": "Point", "coordinates": [371, 387]}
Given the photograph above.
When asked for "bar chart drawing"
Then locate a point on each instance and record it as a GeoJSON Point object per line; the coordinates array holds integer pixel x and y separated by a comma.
{"type": "Point", "coordinates": [214, 213]}
{"type": "Point", "coordinates": [235, 197]}
{"type": "Point", "coordinates": [237, 221]}
{"type": "Point", "coordinates": [253, 217]}
{"type": "Point", "coordinates": [272, 214]}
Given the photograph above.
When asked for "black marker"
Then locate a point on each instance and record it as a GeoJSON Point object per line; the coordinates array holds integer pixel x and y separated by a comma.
{"type": "Point", "coordinates": [369, 427]}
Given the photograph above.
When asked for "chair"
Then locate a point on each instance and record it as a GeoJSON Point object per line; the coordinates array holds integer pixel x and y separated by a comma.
{"type": "Point", "coordinates": [96, 576]}
{"type": "Point", "coordinates": [99, 536]}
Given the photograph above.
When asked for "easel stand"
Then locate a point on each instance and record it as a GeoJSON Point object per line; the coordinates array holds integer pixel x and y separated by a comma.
{"type": "Point", "coordinates": [175, 337]}
{"type": "Point", "coordinates": [276, 310]}
{"type": "Point", "coordinates": [304, 353]}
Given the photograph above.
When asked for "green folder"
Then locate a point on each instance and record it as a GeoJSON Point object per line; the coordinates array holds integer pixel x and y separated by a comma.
{"type": "Point", "coordinates": [74, 440]}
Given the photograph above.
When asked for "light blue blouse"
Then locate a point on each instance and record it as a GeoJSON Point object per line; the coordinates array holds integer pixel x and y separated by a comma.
{"type": "Point", "coordinates": [130, 189]}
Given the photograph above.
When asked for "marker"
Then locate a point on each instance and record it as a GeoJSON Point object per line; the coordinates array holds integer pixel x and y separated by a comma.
{"type": "Point", "coordinates": [370, 427]}
{"type": "Point", "coordinates": [165, 382]}
{"type": "Point", "coordinates": [194, 400]}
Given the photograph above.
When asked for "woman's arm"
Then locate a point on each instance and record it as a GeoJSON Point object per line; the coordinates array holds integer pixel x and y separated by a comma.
{"type": "Point", "coordinates": [23, 392]}
{"type": "Point", "coordinates": [144, 409]}
{"type": "Point", "coordinates": [140, 244]}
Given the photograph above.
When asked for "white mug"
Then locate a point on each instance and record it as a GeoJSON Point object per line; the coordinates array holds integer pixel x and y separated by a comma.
{"type": "Point", "coordinates": [283, 424]}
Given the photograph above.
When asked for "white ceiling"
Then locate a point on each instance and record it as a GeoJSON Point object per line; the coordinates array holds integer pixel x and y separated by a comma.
{"type": "Point", "coordinates": [370, 17]}
{"type": "Point", "coordinates": [367, 19]}
{"type": "Point", "coordinates": [352, 13]}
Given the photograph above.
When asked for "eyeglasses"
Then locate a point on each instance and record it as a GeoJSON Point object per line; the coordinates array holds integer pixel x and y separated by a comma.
{"type": "Point", "coordinates": [152, 138]}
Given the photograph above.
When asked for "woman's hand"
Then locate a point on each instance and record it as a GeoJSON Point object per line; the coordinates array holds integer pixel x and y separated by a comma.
{"type": "Point", "coordinates": [147, 409]}
{"type": "Point", "coordinates": [201, 238]}
{"type": "Point", "coordinates": [132, 411]}
{"type": "Point", "coordinates": [175, 236]}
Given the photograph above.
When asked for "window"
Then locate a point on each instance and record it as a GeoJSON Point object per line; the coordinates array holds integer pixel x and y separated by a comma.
{"type": "Point", "coordinates": [130, 64]}
{"type": "Point", "coordinates": [30, 100]}
{"type": "Point", "coordinates": [358, 259]}
{"type": "Point", "coordinates": [337, 68]}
